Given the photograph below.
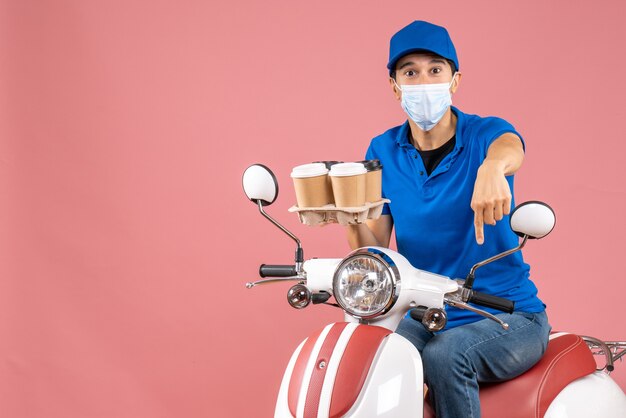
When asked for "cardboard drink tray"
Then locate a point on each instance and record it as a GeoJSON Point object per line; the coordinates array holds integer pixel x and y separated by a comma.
{"type": "Point", "coordinates": [344, 215]}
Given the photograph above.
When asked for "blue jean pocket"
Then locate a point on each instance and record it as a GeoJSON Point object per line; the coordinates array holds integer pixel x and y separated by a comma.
{"type": "Point", "coordinates": [528, 315]}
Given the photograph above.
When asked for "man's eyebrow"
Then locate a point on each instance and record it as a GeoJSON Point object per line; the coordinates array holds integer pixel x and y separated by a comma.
{"type": "Point", "coordinates": [432, 61]}
{"type": "Point", "coordinates": [437, 61]}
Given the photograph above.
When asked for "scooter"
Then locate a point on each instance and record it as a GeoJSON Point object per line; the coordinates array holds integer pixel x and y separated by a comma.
{"type": "Point", "coordinates": [361, 368]}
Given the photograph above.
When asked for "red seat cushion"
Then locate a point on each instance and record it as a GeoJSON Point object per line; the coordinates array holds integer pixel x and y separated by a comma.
{"type": "Point", "coordinates": [529, 395]}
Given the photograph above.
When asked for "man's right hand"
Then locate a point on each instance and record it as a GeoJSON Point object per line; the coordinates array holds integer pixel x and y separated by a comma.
{"type": "Point", "coordinates": [374, 232]}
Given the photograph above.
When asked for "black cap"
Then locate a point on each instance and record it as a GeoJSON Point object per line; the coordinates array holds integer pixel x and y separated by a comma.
{"type": "Point", "coordinates": [328, 163]}
{"type": "Point", "coordinates": [371, 165]}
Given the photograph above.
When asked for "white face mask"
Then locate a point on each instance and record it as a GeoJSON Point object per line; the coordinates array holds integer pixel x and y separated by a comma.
{"type": "Point", "coordinates": [426, 103]}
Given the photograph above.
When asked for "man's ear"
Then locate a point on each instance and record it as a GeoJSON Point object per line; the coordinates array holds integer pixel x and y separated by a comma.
{"type": "Point", "coordinates": [456, 83]}
{"type": "Point", "coordinates": [394, 88]}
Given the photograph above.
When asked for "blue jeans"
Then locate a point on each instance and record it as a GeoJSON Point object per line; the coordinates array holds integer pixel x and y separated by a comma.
{"type": "Point", "coordinates": [456, 360]}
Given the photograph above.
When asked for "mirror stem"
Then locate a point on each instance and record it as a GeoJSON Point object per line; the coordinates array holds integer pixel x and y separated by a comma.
{"type": "Point", "coordinates": [469, 281]}
{"type": "Point", "coordinates": [299, 252]}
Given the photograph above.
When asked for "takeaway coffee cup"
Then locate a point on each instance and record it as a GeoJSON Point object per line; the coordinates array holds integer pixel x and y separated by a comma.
{"type": "Point", "coordinates": [313, 188]}
{"type": "Point", "coordinates": [373, 180]}
{"type": "Point", "coordinates": [348, 180]}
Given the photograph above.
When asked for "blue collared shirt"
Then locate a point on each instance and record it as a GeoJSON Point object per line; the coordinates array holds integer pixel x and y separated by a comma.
{"type": "Point", "coordinates": [433, 220]}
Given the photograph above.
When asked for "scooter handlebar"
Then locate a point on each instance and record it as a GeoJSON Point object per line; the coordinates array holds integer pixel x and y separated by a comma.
{"type": "Point", "coordinates": [490, 301]}
{"type": "Point", "coordinates": [277, 270]}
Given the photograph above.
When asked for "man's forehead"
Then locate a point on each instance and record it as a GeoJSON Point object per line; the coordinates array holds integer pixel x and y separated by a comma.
{"type": "Point", "coordinates": [419, 57]}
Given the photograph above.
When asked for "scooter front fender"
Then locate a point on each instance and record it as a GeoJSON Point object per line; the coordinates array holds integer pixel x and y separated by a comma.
{"type": "Point", "coordinates": [352, 370]}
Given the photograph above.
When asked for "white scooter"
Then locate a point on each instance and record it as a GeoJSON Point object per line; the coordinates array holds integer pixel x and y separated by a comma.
{"type": "Point", "coordinates": [360, 368]}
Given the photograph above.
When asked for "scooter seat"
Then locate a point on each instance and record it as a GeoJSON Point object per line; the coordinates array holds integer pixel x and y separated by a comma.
{"type": "Point", "coordinates": [529, 395]}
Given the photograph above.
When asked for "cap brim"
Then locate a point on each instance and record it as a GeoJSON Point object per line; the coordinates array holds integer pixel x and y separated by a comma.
{"type": "Point", "coordinates": [391, 65]}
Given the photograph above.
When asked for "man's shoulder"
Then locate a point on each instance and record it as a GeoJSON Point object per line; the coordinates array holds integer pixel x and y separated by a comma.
{"type": "Point", "coordinates": [387, 138]}
{"type": "Point", "coordinates": [482, 124]}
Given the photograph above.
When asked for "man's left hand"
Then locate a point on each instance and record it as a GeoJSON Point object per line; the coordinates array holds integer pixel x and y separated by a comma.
{"type": "Point", "coordinates": [492, 197]}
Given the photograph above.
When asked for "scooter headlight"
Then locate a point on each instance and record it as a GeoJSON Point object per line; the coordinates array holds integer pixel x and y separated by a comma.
{"type": "Point", "coordinates": [366, 284]}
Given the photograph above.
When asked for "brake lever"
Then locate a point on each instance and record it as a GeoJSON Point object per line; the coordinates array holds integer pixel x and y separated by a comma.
{"type": "Point", "coordinates": [250, 285]}
{"type": "Point", "coordinates": [463, 305]}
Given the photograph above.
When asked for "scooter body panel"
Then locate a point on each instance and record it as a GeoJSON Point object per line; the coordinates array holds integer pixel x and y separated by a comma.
{"type": "Point", "coordinates": [282, 405]}
{"type": "Point", "coordinates": [595, 395]}
{"type": "Point", "coordinates": [392, 385]}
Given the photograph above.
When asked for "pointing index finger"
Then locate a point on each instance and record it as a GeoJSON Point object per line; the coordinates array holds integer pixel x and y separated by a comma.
{"type": "Point", "coordinates": [478, 226]}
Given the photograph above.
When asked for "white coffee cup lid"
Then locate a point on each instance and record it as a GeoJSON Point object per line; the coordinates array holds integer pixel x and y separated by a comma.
{"type": "Point", "coordinates": [309, 170]}
{"type": "Point", "coordinates": [347, 169]}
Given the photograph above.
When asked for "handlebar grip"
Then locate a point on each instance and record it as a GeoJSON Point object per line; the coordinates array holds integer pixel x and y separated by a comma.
{"type": "Point", "coordinates": [277, 270]}
{"type": "Point", "coordinates": [495, 302]}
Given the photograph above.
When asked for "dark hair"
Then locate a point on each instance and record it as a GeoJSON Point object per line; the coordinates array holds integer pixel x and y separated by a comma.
{"type": "Point", "coordinates": [392, 74]}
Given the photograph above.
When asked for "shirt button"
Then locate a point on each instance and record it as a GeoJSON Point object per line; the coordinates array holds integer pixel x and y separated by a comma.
{"type": "Point", "coordinates": [421, 173]}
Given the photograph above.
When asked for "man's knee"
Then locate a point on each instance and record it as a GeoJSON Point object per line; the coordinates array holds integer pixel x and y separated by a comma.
{"type": "Point", "coordinates": [414, 332]}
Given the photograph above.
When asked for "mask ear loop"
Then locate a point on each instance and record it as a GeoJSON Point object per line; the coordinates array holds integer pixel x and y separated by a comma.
{"type": "Point", "coordinates": [452, 81]}
{"type": "Point", "coordinates": [394, 82]}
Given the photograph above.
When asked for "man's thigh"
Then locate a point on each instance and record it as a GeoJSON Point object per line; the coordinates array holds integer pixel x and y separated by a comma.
{"type": "Point", "coordinates": [494, 353]}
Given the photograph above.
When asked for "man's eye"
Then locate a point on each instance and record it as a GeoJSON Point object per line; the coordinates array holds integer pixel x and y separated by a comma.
{"type": "Point", "coordinates": [409, 73]}
{"type": "Point", "coordinates": [436, 70]}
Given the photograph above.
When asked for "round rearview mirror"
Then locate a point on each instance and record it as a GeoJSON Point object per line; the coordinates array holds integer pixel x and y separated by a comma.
{"type": "Point", "coordinates": [534, 219]}
{"type": "Point", "coordinates": [260, 185]}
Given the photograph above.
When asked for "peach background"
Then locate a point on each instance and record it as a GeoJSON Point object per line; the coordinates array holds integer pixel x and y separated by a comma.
{"type": "Point", "coordinates": [124, 129]}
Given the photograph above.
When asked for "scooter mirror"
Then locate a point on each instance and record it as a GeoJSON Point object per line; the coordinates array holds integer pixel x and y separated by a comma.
{"type": "Point", "coordinates": [259, 184]}
{"type": "Point", "coordinates": [533, 219]}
